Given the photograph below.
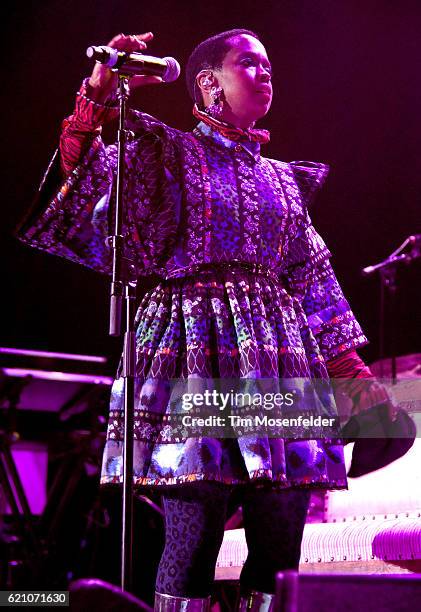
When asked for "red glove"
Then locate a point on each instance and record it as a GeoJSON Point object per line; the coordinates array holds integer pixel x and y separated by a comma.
{"type": "Point", "coordinates": [353, 373]}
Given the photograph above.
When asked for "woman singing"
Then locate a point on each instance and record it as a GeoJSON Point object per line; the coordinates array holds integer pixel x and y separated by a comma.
{"type": "Point", "coordinates": [245, 290]}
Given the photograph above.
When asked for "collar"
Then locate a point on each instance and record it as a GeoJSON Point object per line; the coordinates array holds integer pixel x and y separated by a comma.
{"type": "Point", "coordinates": [253, 148]}
{"type": "Point", "coordinates": [231, 131]}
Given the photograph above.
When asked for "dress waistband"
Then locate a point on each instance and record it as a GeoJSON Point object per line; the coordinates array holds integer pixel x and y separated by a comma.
{"type": "Point", "coordinates": [224, 266]}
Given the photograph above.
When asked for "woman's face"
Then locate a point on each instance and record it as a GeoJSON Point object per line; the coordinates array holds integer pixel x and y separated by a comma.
{"type": "Point", "coordinates": [245, 78]}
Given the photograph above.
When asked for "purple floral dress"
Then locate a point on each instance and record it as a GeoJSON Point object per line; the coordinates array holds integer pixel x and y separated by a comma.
{"type": "Point", "coordinates": [246, 290]}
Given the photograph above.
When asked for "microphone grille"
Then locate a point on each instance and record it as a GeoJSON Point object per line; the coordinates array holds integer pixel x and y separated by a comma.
{"type": "Point", "coordinates": [173, 70]}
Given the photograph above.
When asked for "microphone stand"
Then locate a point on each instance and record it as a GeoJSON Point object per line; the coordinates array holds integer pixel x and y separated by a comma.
{"type": "Point", "coordinates": [388, 275]}
{"type": "Point", "coordinates": [123, 287]}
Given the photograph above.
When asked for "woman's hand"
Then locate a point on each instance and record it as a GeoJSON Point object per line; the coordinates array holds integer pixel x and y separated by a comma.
{"type": "Point", "coordinates": [373, 394]}
{"type": "Point", "coordinates": [103, 81]}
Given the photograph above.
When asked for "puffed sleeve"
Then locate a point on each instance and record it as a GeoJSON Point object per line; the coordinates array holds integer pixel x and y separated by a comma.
{"type": "Point", "coordinates": [72, 217]}
{"type": "Point", "coordinates": [310, 277]}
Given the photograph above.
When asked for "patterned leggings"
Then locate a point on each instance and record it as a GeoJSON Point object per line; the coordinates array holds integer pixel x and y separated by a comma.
{"type": "Point", "coordinates": [195, 515]}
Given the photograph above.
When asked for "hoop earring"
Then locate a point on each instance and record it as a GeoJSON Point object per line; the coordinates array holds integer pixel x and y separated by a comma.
{"type": "Point", "coordinates": [215, 109]}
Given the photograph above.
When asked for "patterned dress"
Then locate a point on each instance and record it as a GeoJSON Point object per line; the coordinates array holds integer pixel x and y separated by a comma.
{"type": "Point", "coordinates": [245, 289]}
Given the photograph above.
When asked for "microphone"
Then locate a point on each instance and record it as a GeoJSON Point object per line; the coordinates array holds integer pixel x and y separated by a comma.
{"type": "Point", "coordinates": [133, 64]}
{"type": "Point", "coordinates": [397, 256]}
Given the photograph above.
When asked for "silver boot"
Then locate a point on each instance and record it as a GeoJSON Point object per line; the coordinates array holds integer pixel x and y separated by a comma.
{"type": "Point", "coordinates": [171, 603]}
{"type": "Point", "coordinates": [257, 602]}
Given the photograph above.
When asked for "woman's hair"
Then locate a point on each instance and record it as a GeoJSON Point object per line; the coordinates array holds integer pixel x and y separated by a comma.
{"type": "Point", "coordinates": [209, 54]}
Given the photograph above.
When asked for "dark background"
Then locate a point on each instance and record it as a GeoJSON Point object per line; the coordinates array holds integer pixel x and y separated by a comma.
{"type": "Point", "coordinates": [347, 92]}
